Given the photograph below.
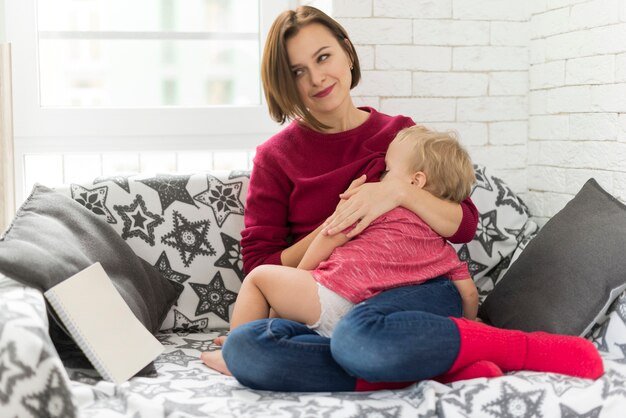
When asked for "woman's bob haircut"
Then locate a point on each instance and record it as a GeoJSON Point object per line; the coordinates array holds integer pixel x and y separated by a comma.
{"type": "Point", "coordinates": [279, 84]}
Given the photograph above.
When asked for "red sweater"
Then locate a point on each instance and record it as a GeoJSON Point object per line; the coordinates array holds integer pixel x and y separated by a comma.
{"type": "Point", "coordinates": [298, 175]}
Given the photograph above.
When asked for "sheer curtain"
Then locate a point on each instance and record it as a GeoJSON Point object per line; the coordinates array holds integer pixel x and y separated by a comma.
{"type": "Point", "coordinates": [7, 192]}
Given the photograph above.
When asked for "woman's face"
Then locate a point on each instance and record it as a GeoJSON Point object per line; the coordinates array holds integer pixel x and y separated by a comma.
{"type": "Point", "coordinates": [321, 69]}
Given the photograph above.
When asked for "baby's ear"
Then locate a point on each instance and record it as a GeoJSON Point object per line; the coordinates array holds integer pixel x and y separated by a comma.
{"type": "Point", "coordinates": [419, 179]}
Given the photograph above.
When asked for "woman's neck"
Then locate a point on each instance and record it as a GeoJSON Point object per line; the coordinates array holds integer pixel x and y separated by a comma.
{"type": "Point", "coordinates": [344, 120]}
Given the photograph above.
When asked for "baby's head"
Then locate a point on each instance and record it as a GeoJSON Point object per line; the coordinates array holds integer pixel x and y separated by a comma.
{"type": "Point", "coordinates": [434, 160]}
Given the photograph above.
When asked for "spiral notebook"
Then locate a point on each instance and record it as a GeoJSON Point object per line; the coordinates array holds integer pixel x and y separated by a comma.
{"type": "Point", "coordinates": [102, 325]}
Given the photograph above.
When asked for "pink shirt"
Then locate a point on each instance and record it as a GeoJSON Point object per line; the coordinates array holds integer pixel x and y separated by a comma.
{"type": "Point", "coordinates": [396, 249]}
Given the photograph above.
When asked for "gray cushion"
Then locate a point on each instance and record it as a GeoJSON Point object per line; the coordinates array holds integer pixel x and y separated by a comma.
{"type": "Point", "coordinates": [53, 237]}
{"type": "Point", "coordinates": [568, 275]}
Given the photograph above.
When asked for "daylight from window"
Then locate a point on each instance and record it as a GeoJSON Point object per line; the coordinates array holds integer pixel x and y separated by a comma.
{"type": "Point", "coordinates": [148, 53]}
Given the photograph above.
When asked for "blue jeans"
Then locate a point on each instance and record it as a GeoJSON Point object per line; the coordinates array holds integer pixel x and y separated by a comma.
{"type": "Point", "coordinates": [402, 334]}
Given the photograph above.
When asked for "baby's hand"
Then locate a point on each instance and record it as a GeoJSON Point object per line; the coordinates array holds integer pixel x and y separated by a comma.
{"type": "Point", "coordinates": [364, 203]}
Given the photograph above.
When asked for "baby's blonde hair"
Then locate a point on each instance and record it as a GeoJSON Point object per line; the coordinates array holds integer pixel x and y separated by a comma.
{"type": "Point", "coordinates": [447, 165]}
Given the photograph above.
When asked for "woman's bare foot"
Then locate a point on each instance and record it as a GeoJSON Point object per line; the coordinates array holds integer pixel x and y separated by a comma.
{"type": "Point", "coordinates": [215, 360]}
{"type": "Point", "coordinates": [220, 340]}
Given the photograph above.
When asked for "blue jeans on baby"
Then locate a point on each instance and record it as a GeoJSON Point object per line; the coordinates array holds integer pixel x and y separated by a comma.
{"type": "Point", "coordinates": [402, 334]}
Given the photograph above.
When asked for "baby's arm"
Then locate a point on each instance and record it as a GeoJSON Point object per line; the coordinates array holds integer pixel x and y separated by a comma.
{"type": "Point", "coordinates": [469, 297]}
{"type": "Point", "coordinates": [320, 249]}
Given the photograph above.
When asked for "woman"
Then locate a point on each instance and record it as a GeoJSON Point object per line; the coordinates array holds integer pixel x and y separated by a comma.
{"type": "Point", "coordinates": [403, 334]}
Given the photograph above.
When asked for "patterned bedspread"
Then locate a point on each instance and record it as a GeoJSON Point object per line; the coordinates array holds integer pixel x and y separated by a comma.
{"type": "Point", "coordinates": [34, 383]}
{"type": "Point", "coordinates": [186, 388]}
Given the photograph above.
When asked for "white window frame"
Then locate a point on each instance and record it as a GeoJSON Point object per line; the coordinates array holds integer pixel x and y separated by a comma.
{"type": "Point", "coordinates": [50, 130]}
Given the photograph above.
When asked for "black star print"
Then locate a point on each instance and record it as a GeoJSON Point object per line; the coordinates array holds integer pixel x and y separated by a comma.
{"type": "Point", "coordinates": [187, 374]}
{"type": "Point", "coordinates": [110, 402]}
{"type": "Point", "coordinates": [507, 197]}
{"type": "Point", "coordinates": [473, 266]}
{"type": "Point", "coordinates": [502, 265]}
{"type": "Point", "coordinates": [431, 413]}
{"type": "Point", "coordinates": [515, 404]}
{"type": "Point", "coordinates": [177, 279]}
{"type": "Point", "coordinates": [182, 323]}
{"type": "Point", "coordinates": [186, 408]}
{"type": "Point", "coordinates": [267, 396]}
{"type": "Point", "coordinates": [613, 384]}
{"type": "Point", "coordinates": [54, 400]}
{"type": "Point", "coordinates": [189, 238]}
{"type": "Point", "coordinates": [482, 179]}
{"type": "Point", "coordinates": [620, 307]}
{"type": "Point", "coordinates": [222, 198]}
{"type": "Point", "coordinates": [487, 232]}
{"type": "Point", "coordinates": [416, 396]}
{"type": "Point", "coordinates": [165, 339]}
{"type": "Point", "coordinates": [197, 345]}
{"type": "Point", "coordinates": [377, 411]}
{"type": "Point", "coordinates": [93, 199]}
{"type": "Point", "coordinates": [137, 227]}
{"type": "Point", "coordinates": [177, 357]}
{"type": "Point", "coordinates": [623, 348]}
{"type": "Point", "coordinates": [235, 407]}
{"type": "Point", "coordinates": [214, 297]}
{"type": "Point", "coordinates": [232, 256]}
{"type": "Point", "coordinates": [170, 188]}
{"type": "Point", "coordinates": [12, 370]}
{"type": "Point", "coordinates": [312, 408]}
{"type": "Point", "coordinates": [121, 181]}
{"type": "Point", "coordinates": [517, 233]}
{"type": "Point", "coordinates": [598, 335]}
{"type": "Point", "coordinates": [139, 219]}
{"type": "Point", "coordinates": [219, 390]}
{"type": "Point", "coordinates": [567, 412]}
{"type": "Point", "coordinates": [463, 397]}
{"type": "Point", "coordinates": [152, 390]}
{"type": "Point", "coordinates": [559, 382]}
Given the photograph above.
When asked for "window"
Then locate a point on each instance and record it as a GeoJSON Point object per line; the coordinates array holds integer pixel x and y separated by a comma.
{"type": "Point", "coordinates": [115, 53]}
{"type": "Point", "coordinates": [111, 86]}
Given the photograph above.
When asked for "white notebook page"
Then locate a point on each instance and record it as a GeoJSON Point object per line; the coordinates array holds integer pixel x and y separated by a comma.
{"type": "Point", "coordinates": [102, 324]}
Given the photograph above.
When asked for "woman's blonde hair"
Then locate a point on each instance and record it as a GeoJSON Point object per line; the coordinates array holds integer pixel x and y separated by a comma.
{"type": "Point", "coordinates": [281, 92]}
{"type": "Point", "coordinates": [447, 165]}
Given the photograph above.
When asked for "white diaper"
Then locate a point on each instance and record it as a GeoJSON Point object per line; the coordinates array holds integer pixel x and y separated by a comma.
{"type": "Point", "coordinates": [333, 308]}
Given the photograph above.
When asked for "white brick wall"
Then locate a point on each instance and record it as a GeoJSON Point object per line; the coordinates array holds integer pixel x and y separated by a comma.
{"type": "Point", "coordinates": [536, 89]}
{"type": "Point", "coordinates": [577, 101]}
{"type": "Point", "coordinates": [467, 65]}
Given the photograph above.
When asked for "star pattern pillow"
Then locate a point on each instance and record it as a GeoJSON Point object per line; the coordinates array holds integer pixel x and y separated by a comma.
{"type": "Point", "coordinates": [188, 227]}
{"type": "Point", "coordinates": [503, 227]}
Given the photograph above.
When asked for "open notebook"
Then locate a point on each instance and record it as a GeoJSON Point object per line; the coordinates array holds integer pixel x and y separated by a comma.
{"type": "Point", "coordinates": [102, 324]}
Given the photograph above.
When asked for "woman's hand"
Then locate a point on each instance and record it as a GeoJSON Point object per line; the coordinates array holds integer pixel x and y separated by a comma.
{"type": "Point", "coordinates": [363, 202]}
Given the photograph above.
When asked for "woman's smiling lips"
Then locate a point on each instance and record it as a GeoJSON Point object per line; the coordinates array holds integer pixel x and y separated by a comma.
{"type": "Point", "coordinates": [324, 92]}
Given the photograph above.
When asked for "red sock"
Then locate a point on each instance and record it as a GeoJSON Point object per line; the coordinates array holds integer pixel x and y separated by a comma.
{"type": "Point", "coordinates": [475, 370]}
{"type": "Point", "coordinates": [574, 356]}
{"type": "Point", "coordinates": [481, 368]}
{"type": "Point", "coordinates": [517, 350]}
